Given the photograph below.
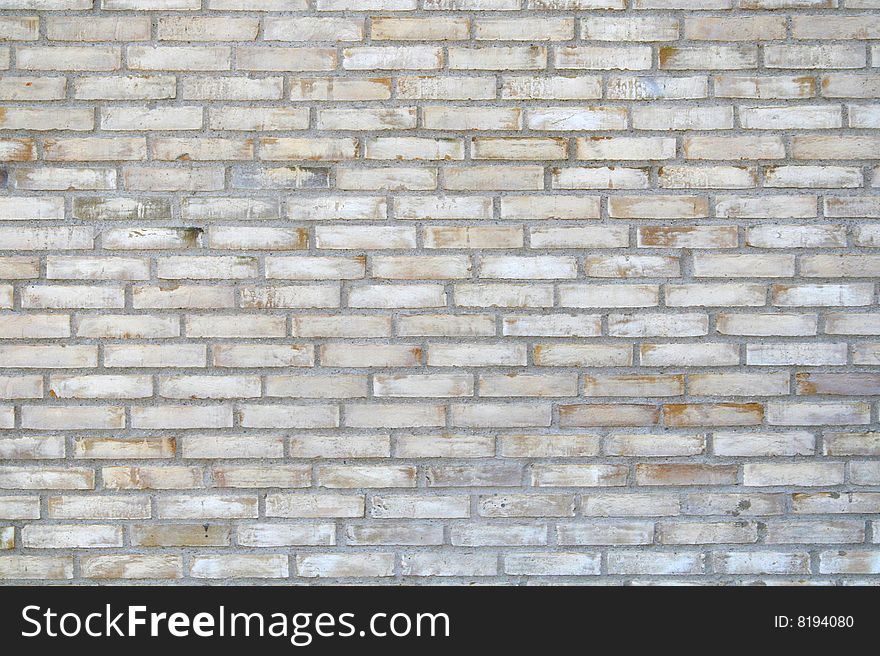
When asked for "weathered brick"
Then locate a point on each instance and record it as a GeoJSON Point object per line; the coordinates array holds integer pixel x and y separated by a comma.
{"type": "Point", "coordinates": [450, 291]}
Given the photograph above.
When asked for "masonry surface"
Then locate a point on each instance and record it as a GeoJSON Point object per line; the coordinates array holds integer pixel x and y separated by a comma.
{"type": "Point", "coordinates": [419, 291]}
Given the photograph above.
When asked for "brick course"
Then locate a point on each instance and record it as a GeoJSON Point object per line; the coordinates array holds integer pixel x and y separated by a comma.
{"type": "Point", "coordinates": [408, 291]}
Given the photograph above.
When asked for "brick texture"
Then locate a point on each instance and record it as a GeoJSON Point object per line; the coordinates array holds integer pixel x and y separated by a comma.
{"type": "Point", "coordinates": [407, 291]}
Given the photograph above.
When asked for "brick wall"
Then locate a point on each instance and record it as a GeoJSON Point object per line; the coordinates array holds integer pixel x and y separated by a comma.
{"type": "Point", "coordinates": [439, 290]}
